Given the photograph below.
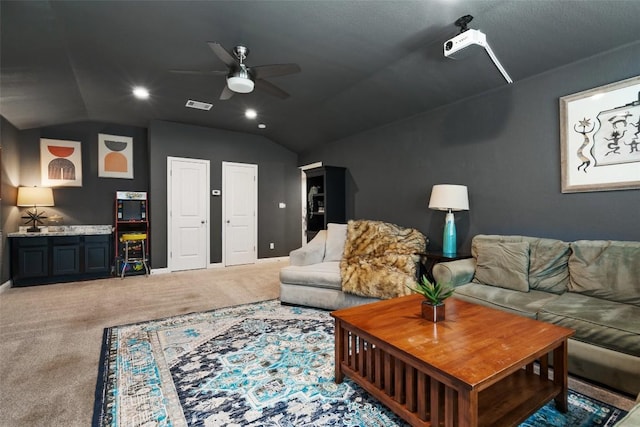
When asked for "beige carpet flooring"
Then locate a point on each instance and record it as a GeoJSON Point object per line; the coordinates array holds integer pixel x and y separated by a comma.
{"type": "Point", "coordinates": [50, 336]}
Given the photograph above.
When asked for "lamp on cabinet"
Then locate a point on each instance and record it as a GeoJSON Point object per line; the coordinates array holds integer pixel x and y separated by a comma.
{"type": "Point", "coordinates": [449, 198]}
{"type": "Point", "coordinates": [34, 197]}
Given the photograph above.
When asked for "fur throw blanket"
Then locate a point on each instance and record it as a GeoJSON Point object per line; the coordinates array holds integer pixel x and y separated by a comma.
{"type": "Point", "coordinates": [379, 259]}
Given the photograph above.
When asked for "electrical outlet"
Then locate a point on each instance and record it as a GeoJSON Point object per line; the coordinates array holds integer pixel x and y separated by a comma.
{"type": "Point", "coordinates": [272, 245]}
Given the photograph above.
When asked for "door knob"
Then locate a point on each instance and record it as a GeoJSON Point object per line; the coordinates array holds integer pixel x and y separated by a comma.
{"type": "Point", "coordinates": [228, 221]}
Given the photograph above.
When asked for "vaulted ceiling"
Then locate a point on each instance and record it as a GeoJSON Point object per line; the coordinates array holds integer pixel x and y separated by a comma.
{"type": "Point", "coordinates": [364, 63]}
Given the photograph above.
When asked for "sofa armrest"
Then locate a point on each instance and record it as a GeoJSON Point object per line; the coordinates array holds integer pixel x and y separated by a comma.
{"type": "Point", "coordinates": [311, 253]}
{"type": "Point", "coordinates": [456, 273]}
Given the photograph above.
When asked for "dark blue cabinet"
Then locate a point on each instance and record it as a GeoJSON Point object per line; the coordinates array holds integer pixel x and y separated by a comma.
{"type": "Point", "coordinates": [52, 259]}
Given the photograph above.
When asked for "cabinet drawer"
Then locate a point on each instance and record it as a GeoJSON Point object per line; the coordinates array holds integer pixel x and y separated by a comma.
{"type": "Point", "coordinates": [31, 241]}
{"type": "Point", "coordinates": [65, 240]}
{"type": "Point", "coordinates": [100, 238]}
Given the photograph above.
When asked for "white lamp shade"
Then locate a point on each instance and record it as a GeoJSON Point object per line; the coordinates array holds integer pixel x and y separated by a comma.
{"type": "Point", "coordinates": [35, 196]}
{"type": "Point", "coordinates": [446, 197]}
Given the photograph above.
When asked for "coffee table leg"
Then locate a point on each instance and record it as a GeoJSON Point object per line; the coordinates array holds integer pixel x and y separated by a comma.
{"type": "Point", "coordinates": [339, 349]}
{"type": "Point", "coordinates": [468, 408]}
{"type": "Point", "coordinates": [560, 375]}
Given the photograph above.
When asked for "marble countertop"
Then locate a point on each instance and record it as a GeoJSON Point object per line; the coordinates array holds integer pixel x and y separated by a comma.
{"type": "Point", "coordinates": [64, 230]}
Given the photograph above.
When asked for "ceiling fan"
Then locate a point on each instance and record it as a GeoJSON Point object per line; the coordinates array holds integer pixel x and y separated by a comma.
{"type": "Point", "coordinates": [243, 79]}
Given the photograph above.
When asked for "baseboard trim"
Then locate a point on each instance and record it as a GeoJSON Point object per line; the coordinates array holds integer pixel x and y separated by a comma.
{"type": "Point", "coordinates": [273, 259]}
{"type": "Point", "coordinates": [6, 285]}
{"type": "Point", "coordinates": [221, 265]}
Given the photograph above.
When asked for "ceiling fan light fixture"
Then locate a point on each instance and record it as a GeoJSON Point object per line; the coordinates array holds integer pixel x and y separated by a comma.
{"type": "Point", "coordinates": [240, 84]}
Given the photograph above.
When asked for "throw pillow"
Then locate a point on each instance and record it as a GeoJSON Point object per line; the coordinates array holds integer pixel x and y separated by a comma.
{"type": "Point", "coordinates": [505, 265]}
{"type": "Point", "coordinates": [336, 236]}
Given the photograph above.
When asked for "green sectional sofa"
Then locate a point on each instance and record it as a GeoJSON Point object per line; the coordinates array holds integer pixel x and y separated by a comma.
{"type": "Point", "coordinates": [587, 285]}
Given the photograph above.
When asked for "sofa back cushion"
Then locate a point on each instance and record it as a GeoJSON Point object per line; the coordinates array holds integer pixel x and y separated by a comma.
{"type": "Point", "coordinates": [336, 237]}
{"type": "Point", "coordinates": [548, 260]}
{"type": "Point", "coordinates": [503, 264]}
{"type": "Point", "coordinates": [606, 269]}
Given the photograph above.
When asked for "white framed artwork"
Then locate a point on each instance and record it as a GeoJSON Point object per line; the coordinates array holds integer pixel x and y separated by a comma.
{"type": "Point", "coordinates": [115, 156]}
{"type": "Point", "coordinates": [600, 138]}
{"type": "Point", "coordinates": [60, 163]}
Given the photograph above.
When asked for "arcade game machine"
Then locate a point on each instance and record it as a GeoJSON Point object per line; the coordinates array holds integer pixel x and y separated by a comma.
{"type": "Point", "coordinates": [131, 233]}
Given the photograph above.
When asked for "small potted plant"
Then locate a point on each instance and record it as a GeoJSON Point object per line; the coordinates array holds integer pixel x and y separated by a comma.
{"type": "Point", "coordinates": [434, 294]}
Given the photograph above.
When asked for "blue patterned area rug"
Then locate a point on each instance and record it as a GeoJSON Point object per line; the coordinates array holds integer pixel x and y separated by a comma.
{"type": "Point", "coordinates": [253, 365]}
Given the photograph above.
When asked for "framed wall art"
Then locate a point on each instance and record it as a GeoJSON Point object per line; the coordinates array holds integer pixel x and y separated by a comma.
{"type": "Point", "coordinates": [600, 138]}
{"type": "Point", "coordinates": [60, 163]}
{"type": "Point", "coordinates": [115, 156]}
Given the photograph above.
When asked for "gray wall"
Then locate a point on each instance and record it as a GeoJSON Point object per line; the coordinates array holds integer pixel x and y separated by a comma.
{"type": "Point", "coordinates": [505, 146]}
{"type": "Point", "coordinates": [9, 213]}
{"type": "Point", "coordinates": [278, 181]}
{"type": "Point", "coordinates": [93, 203]}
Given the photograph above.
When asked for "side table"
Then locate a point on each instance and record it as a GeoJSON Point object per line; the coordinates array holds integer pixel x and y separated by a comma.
{"type": "Point", "coordinates": [430, 258]}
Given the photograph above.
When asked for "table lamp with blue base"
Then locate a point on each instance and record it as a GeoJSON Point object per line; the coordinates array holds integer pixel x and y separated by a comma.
{"type": "Point", "coordinates": [450, 198]}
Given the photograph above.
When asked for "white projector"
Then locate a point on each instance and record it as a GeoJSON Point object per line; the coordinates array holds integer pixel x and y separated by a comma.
{"type": "Point", "coordinates": [457, 47]}
{"type": "Point", "coordinates": [469, 42]}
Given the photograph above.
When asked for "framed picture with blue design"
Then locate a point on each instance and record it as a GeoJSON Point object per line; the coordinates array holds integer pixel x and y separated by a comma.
{"type": "Point", "coordinates": [115, 156]}
{"type": "Point", "coordinates": [600, 138]}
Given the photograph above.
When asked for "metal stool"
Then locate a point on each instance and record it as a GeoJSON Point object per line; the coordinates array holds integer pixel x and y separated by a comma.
{"type": "Point", "coordinates": [132, 239]}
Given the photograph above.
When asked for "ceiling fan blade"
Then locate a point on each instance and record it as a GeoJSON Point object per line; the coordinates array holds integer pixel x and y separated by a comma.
{"type": "Point", "coordinates": [226, 93]}
{"type": "Point", "coordinates": [223, 54]}
{"type": "Point", "coordinates": [275, 70]}
{"type": "Point", "coordinates": [271, 89]}
{"type": "Point", "coordinates": [211, 73]}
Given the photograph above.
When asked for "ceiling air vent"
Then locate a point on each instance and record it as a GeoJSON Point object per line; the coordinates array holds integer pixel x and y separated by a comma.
{"type": "Point", "coordinates": [198, 105]}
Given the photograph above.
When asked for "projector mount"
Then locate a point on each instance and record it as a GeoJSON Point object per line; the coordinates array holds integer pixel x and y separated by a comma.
{"type": "Point", "coordinates": [462, 22]}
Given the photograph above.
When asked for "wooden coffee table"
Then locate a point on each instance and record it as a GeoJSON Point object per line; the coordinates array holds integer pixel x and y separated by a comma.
{"type": "Point", "coordinates": [476, 368]}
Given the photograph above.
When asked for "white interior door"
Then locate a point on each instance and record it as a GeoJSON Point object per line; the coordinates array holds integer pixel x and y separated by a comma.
{"type": "Point", "coordinates": [188, 215]}
{"type": "Point", "coordinates": [240, 218]}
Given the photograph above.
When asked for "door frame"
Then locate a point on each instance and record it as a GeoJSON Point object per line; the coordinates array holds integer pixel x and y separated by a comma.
{"type": "Point", "coordinates": [303, 197]}
{"type": "Point", "coordinates": [207, 205]}
{"type": "Point", "coordinates": [225, 165]}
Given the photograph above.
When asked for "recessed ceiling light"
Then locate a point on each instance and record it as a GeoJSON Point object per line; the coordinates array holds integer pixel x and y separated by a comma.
{"type": "Point", "coordinates": [250, 113]}
{"type": "Point", "coordinates": [140, 92]}
{"type": "Point", "coordinates": [262, 126]}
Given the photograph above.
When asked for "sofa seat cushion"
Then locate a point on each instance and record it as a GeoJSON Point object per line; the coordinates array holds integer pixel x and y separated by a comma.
{"type": "Point", "coordinates": [321, 275]}
{"type": "Point", "coordinates": [523, 303]}
{"type": "Point", "coordinates": [603, 323]}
